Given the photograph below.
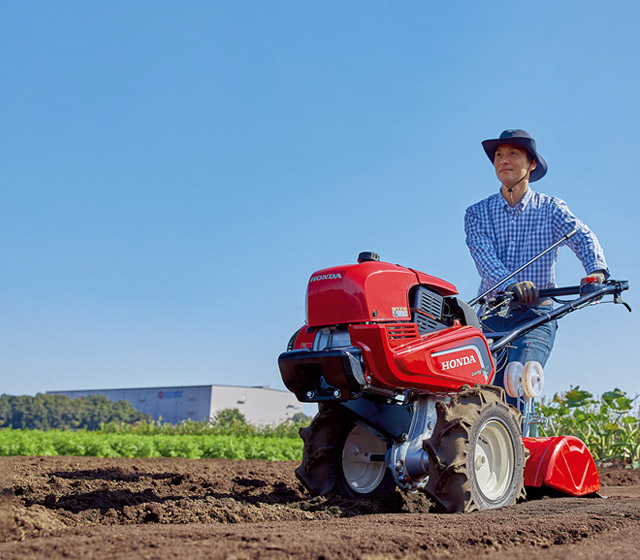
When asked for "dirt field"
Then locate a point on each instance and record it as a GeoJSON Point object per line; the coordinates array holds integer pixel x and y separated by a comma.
{"type": "Point", "coordinates": [75, 507]}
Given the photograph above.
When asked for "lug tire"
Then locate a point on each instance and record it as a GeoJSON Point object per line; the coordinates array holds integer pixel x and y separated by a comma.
{"type": "Point", "coordinates": [330, 465]}
{"type": "Point", "coordinates": [476, 452]}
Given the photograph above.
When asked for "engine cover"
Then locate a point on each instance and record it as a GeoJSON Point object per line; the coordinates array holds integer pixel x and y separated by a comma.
{"type": "Point", "coordinates": [370, 291]}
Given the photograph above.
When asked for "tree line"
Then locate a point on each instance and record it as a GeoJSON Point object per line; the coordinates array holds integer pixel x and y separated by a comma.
{"type": "Point", "coordinates": [51, 412]}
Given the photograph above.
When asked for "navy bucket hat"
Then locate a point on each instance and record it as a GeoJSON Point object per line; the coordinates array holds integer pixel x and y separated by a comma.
{"type": "Point", "coordinates": [522, 139]}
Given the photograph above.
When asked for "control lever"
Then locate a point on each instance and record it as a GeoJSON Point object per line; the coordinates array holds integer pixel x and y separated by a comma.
{"type": "Point", "coordinates": [617, 298]}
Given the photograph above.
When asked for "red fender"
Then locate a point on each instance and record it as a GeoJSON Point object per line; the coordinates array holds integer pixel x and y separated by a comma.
{"type": "Point", "coordinates": [563, 463]}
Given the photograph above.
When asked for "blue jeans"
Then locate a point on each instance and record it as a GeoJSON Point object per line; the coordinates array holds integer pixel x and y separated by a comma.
{"type": "Point", "coordinates": [535, 345]}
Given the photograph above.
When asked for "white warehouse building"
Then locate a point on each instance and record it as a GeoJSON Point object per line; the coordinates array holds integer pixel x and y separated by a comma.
{"type": "Point", "coordinates": [260, 405]}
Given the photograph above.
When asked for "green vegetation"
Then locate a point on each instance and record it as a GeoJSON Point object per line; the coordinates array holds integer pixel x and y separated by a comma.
{"type": "Point", "coordinates": [96, 444]}
{"type": "Point", "coordinates": [95, 426]}
{"type": "Point", "coordinates": [60, 412]}
{"type": "Point", "coordinates": [606, 425]}
{"type": "Point", "coordinates": [228, 435]}
{"type": "Point", "coordinates": [228, 422]}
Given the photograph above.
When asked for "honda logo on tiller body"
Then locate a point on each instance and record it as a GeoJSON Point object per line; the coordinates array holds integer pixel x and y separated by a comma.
{"type": "Point", "coordinates": [463, 361]}
{"type": "Point", "coordinates": [325, 277]}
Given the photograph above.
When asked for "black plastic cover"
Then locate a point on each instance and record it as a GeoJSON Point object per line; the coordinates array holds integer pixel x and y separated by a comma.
{"type": "Point", "coordinates": [322, 375]}
{"type": "Point", "coordinates": [427, 310]}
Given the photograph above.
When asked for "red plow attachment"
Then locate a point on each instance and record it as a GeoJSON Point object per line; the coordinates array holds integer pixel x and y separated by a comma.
{"type": "Point", "coordinates": [563, 463]}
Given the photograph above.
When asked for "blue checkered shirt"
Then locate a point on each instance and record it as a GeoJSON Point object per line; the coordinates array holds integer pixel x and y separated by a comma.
{"type": "Point", "coordinates": [501, 239]}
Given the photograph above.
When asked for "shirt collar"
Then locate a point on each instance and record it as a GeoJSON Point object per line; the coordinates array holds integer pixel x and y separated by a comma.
{"type": "Point", "coordinates": [522, 204]}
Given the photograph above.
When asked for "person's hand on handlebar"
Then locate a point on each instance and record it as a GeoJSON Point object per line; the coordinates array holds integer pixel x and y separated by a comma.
{"type": "Point", "coordinates": [592, 282]}
{"type": "Point", "coordinates": [525, 292]}
{"type": "Point", "coordinates": [597, 277]}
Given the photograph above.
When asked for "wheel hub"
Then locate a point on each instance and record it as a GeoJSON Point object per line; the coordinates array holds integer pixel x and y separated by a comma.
{"type": "Point", "coordinates": [494, 459]}
{"type": "Point", "coordinates": [361, 473]}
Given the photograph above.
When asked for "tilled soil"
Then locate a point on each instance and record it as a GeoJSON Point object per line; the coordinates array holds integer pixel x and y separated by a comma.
{"type": "Point", "coordinates": [81, 507]}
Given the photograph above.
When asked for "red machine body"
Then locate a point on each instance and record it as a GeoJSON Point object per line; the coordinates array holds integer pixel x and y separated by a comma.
{"type": "Point", "coordinates": [373, 299]}
{"type": "Point", "coordinates": [398, 356]}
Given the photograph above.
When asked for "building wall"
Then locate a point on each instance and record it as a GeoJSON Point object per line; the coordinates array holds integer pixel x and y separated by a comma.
{"type": "Point", "coordinates": [260, 405]}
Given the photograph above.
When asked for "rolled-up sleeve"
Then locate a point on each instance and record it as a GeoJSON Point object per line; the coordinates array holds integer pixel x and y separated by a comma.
{"type": "Point", "coordinates": [584, 244]}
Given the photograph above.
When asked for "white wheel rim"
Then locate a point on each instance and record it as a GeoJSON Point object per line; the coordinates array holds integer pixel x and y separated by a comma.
{"type": "Point", "coordinates": [361, 474]}
{"type": "Point", "coordinates": [493, 460]}
{"type": "Point", "coordinates": [513, 379]}
{"type": "Point", "coordinates": [533, 379]}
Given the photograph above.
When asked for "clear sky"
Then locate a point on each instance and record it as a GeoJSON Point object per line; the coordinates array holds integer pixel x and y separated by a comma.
{"type": "Point", "coordinates": [173, 172]}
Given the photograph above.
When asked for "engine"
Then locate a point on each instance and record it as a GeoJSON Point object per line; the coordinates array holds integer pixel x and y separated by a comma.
{"type": "Point", "coordinates": [380, 326]}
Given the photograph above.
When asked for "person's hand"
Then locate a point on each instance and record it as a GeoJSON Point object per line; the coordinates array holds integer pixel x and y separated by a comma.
{"type": "Point", "coordinates": [599, 278]}
{"type": "Point", "coordinates": [525, 292]}
{"type": "Point", "coordinates": [592, 282]}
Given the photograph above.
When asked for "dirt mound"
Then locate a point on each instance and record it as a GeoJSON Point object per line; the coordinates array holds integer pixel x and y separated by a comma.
{"type": "Point", "coordinates": [619, 476]}
{"type": "Point", "coordinates": [80, 507]}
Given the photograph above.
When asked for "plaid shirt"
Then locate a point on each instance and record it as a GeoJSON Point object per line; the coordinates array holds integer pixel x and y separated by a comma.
{"type": "Point", "coordinates": [501, 239]}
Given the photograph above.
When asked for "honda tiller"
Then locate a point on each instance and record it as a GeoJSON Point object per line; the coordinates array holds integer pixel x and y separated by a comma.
{"type": "Point", "coordinates": [403, 372]}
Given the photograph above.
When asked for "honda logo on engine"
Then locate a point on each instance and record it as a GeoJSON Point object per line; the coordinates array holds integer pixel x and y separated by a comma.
{"type": "Point", "coordinates": [325, 277]}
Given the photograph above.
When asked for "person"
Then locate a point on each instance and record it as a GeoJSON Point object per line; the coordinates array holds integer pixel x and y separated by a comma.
{"type": "Point", "coordinates": [509, 228]}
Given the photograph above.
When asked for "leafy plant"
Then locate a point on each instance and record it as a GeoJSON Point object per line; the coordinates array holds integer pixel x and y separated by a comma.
{"type": "Point", "coordinates": [606, 424]}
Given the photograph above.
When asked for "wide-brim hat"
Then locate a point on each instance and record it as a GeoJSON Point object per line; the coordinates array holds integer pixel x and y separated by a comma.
{"type": "Point", "coordinates": [522, 139]}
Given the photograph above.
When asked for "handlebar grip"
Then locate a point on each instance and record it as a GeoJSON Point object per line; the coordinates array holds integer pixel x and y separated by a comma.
{"type": "Point", "coordinates": [608, 286]}
{"type": "Point", "coordinates": [564, 291]}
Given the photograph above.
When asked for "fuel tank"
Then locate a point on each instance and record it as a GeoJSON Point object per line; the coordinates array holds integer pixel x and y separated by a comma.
{"type": "Point", "coordinates": [369, 291]}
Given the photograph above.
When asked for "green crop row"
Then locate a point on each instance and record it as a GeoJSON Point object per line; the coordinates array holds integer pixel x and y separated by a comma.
{"type": "Point", "coordinates": [227, 422]}
{"type": "Point", "coordinates": [82, 443]}
{"type": "Point", "coordinates": [606, 424]}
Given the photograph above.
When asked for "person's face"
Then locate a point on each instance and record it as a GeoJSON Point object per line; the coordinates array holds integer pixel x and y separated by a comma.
{"type": "Point", "coordinates": [511, 163]}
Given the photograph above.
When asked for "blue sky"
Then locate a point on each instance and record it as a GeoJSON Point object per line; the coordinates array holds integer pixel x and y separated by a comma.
{"type": "Point", "coordinates": [173, 172]}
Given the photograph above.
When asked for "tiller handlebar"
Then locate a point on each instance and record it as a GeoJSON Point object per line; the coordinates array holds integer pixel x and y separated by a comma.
{"type": "Point", "coordinates": [588, 294]}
